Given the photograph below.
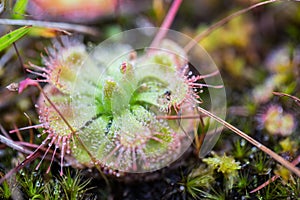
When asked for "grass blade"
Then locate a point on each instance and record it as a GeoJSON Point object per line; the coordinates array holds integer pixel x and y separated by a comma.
{"type": "Point", "coordinates": [13, 36]}
{"type": "Point", "coordinates": [19, 9]}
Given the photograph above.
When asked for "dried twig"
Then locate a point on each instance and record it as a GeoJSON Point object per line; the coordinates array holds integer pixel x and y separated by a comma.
{"type": "Point", "coordinates": [297, 100]}
{"type": "Point", "coordinates": [54, 25]}
{"type": "Point", "coordinates": [13, 145]}
{"type": "Point", "coordinates": [265, 149]}
{"type": "Point", "coordinates": [295, 162]}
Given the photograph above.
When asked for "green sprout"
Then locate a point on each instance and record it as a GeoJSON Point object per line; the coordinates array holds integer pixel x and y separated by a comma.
{"type": "Point", "coordinates": [241, 150]}
{"type": "Point", "coordinates": [261, 163]}
{"type": "Point", "coordinates": [74, 187]}
{"type": "Point", "coordinates": [53, 190]}
{"type": "Point", "coordinates": [199, 179]}
{"type": "Point", "coordinates": [32, 184]}
{"type": "Point", "coordinates": [243, 181]}
{"type": "Point", "coordinates": [5, 191]}
{"type": "Point", "coordinates": [214, 195]}
{"type": "Point", "coordinates": [70, 186]}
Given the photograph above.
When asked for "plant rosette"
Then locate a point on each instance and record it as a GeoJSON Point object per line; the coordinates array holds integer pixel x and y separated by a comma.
{"type": "Point", "coordinates": [128, 105]}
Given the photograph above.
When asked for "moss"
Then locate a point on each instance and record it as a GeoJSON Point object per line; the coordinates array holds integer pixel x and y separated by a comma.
{"type": "Point", "coordinates": [226, 165]}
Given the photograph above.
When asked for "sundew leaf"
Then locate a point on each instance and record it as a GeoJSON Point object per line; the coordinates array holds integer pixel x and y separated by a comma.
{"type": "Point", "coordinates": [13, 36]}
{"type": "Point", "coordinates": [19, 9]}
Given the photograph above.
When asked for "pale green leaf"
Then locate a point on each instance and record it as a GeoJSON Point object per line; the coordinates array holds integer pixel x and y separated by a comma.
{"type": "Point", "coordinates": [13, 36]}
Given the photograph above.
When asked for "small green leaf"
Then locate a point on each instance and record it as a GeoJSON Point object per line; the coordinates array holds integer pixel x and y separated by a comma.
{"type": "Point", "coordinates": [19, 9]}
{"type": "Point", "coordinates": [13, 36]}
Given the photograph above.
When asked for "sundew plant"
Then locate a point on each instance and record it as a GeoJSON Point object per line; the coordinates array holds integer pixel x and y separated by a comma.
{"type": "Point", "coordinates": [113, 107]}
{"type": "Point", "coordinates": [132, 105]}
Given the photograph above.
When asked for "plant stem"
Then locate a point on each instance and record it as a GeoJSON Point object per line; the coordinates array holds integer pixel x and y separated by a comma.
{"type": "Point", "coordinates": [175, 117]}
{"type": "Point", "coordinates": [265, 149]}
{"type": "Point", "coordinates": [166, 23]}
{"type": "Point", "coordinates": [19, 57]}
{"type": "Point", "coordinates": [297, 100]}
{"type": "Point", "coordinates": [31, 134]}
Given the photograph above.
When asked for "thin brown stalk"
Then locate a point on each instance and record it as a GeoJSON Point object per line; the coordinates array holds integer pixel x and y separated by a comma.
{"type": "Point", "coordinates": [18, 133]}
{"type": "Point", "coordinates": [295, 162]}
{"type": "Point", "coordinates": [297, 100]}
{"type": "Point", "coordinates": [274, 178]}
{"type": "Point", "coordinates": [199, 138]}
{"type": "Point", "coordinates": [220, 23]}
{"type": "Point", "coordinates": [175, 117]}
{"type": "Point", "coordinates": [260, 146]}
{"type": "Point", "coordinates": [31, 134]}
{"type": "Point", "coordinates": [19, 57]}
